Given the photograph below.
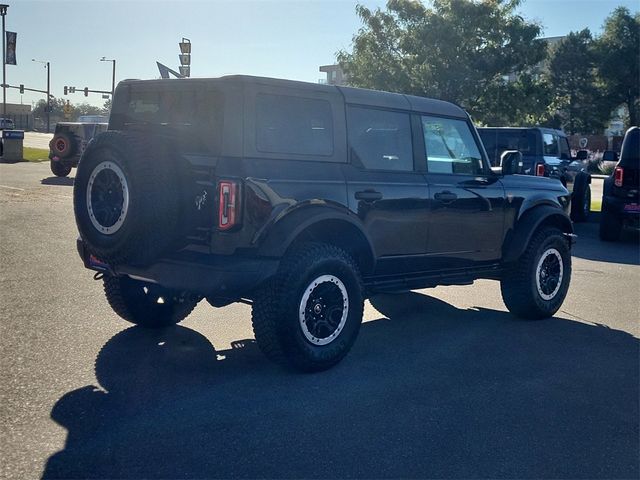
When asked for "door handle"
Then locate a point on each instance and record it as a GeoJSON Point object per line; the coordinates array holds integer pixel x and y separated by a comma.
{"type": "Point", "coordinates": [368, 195]}
{"type": "Point", "coordinates": [446, 197]}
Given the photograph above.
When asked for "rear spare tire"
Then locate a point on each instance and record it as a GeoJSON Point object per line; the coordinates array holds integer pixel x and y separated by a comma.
{"type": "Point", "coordinates": [126, 206]}
{"type": "Point", "coordinates": [63, 145]}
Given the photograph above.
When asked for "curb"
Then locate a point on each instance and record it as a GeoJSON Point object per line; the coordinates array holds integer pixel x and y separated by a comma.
{"type": "Point", "coordinates": [602, 177]}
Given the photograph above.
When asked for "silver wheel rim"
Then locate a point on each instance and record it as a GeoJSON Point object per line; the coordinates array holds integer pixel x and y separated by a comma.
{"type": "Point", "coordinates": [122, 213]}
{"type": "Point", "coordinates": [304, 316]}
{"type": "Point", "coordinates": [541, 274]}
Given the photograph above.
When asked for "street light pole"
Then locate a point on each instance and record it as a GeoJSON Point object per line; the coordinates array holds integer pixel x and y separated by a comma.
{"type": "Point", "coordinates": [48, 98]}
{"type": "Point", "coordinates": [3, 12]}
{"type": "Point", "coordinates": [113, 75]}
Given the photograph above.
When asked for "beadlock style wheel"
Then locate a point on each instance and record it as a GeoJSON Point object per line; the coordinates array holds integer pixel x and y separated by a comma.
{"type": "Point", "coordinates": [107, 198]}
{"type": "Point", "coordinates": [549, 274]}
{"type": "Point", "coordinates": [323, 310]}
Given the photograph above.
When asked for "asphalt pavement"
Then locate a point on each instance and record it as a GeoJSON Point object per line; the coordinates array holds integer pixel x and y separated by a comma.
{"type": "Point", "coordinates": [440, 383]}
{"type": "Point", "coordinates": [37, 139]}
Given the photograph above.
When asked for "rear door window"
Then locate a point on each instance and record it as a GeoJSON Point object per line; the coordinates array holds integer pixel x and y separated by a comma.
{"type": "Point", "coordinates": [498, 141]}
{"type": "Point", "coordinates": [380, 139]}
{"type": "Point", "coordinates": [550, 145]}
{"type": "Point", "coordinates": [293, 125]}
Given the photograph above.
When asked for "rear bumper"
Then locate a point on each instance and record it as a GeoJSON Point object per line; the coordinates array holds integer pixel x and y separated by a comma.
{"type": "Point", "coordinates": [209, 275]}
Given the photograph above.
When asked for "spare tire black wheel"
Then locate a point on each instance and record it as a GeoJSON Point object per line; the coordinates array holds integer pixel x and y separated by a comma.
{"type": "Point", "coordinates": [126, 206]}
{"type": "Point", "coordinates": [63, 145]}
{"type": "Point", "coordinates": [60, 169]}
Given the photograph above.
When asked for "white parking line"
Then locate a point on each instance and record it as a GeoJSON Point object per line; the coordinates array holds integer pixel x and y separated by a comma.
{"type": "Point", "coordinates": [12, 188]}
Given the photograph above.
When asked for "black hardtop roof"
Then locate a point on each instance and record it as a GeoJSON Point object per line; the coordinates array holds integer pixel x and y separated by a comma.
{"type": "Point", "coordinates": [359, 96]}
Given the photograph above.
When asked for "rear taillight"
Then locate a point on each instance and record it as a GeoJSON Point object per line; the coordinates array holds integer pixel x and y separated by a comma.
{"type": "Point", "coordinates": [540, 170]}
{"type": "Point", "coordinates": [618, 176]}
{"type": "Point", "coordinates": [228, 205]}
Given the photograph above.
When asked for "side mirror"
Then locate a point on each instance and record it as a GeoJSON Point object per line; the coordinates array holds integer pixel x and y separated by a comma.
{"type": "Point", "coordinates": [609, 156]}
{"type": "Point", "coordinates": [582, 154]}
{"type": "Point", "coordinates": [511, 162]}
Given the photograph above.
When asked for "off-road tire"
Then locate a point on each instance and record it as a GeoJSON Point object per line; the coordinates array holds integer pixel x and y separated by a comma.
{"type": "Point", "coordinates": [581, 204]}
{"type": "Point", "coordinates": [137, 302]}
{"type": "Point", "coordinates": [610, 226]}
{"type": "Point", "coordinates": [151, 222]}
{"type": "Point", "coordinates": [264, 318]}
{"type": "Point", "coordinates": [63, 145]}
{"type": "Point", "coordinates": [520, 291]}
{"type": "Point", "coordinates": [60, 169]}
{"type": "Point", "coordinates": [278, 322]}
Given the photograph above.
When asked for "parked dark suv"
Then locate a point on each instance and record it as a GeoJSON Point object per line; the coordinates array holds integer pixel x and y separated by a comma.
{"type": "Point", "coordinates": [620, 197]}
{"type": "Point", "coordinates": [545, 153]}
{"type": "Point", "coordinates": [303, 200]}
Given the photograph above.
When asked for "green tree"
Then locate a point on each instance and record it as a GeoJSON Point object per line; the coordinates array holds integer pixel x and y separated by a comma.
{"type": "Point", "coordinates": [572, 73]}
{"type": "Point", "coordinates": [456, 50]}
{"type": "Point", "coordinates": [618, 61]}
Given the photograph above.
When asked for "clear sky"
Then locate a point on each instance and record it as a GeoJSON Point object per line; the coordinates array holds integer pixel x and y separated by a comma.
{"type": "Point", "coordinates": [286, 39]}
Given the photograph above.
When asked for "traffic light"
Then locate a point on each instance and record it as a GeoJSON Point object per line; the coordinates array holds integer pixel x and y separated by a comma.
{"type": "Point", "coordinates": [86, 91]}
{"type": "Point", "coordinates": [21, 88]}
{"type": "Point", "coordinates": [65, 90]}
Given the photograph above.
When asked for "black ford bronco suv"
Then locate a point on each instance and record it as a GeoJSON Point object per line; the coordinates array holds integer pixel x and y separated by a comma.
{"type": "Point", "coordinates": [304, 200]}
{"type": "Point", "coordinates": [545, 153]}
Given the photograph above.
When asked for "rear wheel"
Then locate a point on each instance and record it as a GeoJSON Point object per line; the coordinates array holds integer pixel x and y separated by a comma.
{"type": "Point", "coordinates": [537, 284]}
{"type": "Point", "coordinates": [309, 316]}
{"type": "Point", "coordinates": [581, 204]}
{"type": "Point", "coordinates": [60, 169]}
{"type": "Point", "coordinates": [146, 304]}
{"type": "Point", "coordinates": [610, 226]}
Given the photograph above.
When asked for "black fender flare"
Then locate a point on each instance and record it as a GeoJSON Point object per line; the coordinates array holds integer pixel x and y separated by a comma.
{"type": "Point", "coordinates": [276, 239]}
{"type": "Point", "coordinates": [526, 225]}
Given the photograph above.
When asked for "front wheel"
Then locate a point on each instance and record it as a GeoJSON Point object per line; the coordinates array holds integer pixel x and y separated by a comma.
{"type": "Point", "coordinates": [309, 316]}
{"type": "Point", "coordinates": [537, 284]}
{"type": "Point", "coordinates": [60, 169]}
{"type": "Point", "coordinates": [145, 304]}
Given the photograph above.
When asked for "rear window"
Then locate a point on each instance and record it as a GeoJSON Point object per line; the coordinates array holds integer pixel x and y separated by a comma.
{"type": "Point", "coordinates": [498, 141]}
{"type": "Point", "coordinates": [293, 125]}
{"type": "Point", "coordinates": [193, 117]}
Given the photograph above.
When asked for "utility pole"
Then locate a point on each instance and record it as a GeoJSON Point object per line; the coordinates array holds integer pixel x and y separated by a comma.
{"type": "Point", "coordinates": [113, 75]}
{"type": "Point", "coordinates": [3, 12]}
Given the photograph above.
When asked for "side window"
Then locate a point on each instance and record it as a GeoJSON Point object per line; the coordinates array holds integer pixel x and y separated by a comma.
{"type": "Point", "coordinates": [550, 144]}
{"type": "Point", "coordinates": [565, 152]}
{"type": "Point", "coordinates": [451, 147]}
{"type": "Point", "coordinates": [379, 139]}
{"type": "Point", "coordinates": [293, 125]}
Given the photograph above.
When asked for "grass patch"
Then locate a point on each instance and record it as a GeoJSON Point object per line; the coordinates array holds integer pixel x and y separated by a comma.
{"type": "Point", "coordinates": [596, 205]}
{"type": "Point", "coordinates": [35, 154]}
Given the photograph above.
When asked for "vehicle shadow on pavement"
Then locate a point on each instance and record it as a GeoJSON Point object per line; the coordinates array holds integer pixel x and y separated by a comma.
{"type": "Point", "coordinates": [429, 390]}
{"type": "Point", "coordinates": [590, 247]}
{"type": "Point", "coordinates": [61, 181]}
